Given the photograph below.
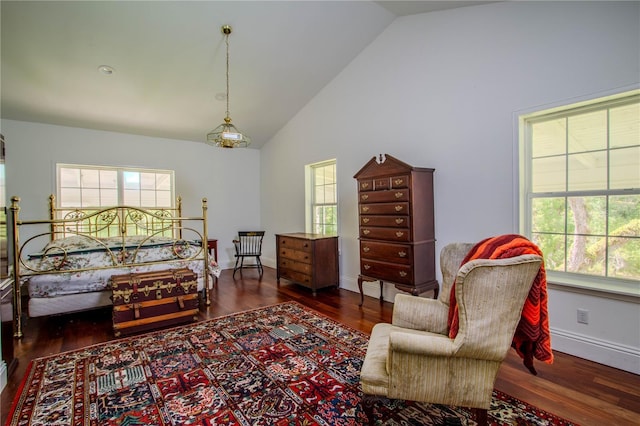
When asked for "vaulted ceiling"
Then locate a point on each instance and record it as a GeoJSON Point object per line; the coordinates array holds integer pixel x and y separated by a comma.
{"type": "Point", "coordinates": [168, 60]}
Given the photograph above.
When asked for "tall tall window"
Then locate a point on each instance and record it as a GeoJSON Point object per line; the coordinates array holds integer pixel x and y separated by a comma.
{"type": "Point", "coordinates": [94, 186]}
{"type": "Point", "coordinates": [580, 189]}
{"type": "Point", "coordinates": [322, 198]}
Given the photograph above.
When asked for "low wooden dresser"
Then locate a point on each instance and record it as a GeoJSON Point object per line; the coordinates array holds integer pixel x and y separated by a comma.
{"type": "Point", "coordinates": [397, 235]}
{"type": "Point", "coordinates": [308, 259]}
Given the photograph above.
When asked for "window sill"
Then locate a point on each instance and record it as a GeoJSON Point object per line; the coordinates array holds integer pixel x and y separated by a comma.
{"type": "Point", "coordinates": [627, 291]}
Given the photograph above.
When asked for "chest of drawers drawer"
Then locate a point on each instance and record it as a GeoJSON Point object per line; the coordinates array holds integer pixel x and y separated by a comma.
{"type": "Point", "coordinates": [302, 267]}
{"type": "Point", "coordinates": [297, 255]}
{"type": "Point", "coordinates": [388, 234]}
{"type": "Point", "coordinates": [394, 253]}
{"type": "Point", "coordinates": [384, 221]}
{"type": "Point", "coordinates": [384, 196]}
{"type": "Point", "coordinates": [384, 208]}
{"type": "Point", "coordinates": [292, 243]}
{"type": "Point", "coordinates": [402, 274]}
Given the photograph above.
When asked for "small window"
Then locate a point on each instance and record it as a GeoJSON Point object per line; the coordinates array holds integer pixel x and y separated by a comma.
{"type": "Point", "coordinates": [580, 189]}
{"type": "Point", "coordinates": [95, 186]}
{"type": "Point", "coordinates": [322, 198]}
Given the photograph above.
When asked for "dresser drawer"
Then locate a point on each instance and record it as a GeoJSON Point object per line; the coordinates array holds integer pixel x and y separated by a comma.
{"type": "Point", "coordinates": [400, 182]}
{"type": "Point", "coordinates": [384, 208]}
{"type": "Point", "coordinates": [293, 265]}
{"type": "Point", "coordinates": [295, 276]}
{"type": "Point", "coordinates": [388, 234]}
{"type": "Point", "coordinates": [384, 196]}
{"type": "Point", "coordinates": [295, 244]}
{"type": "Point", "coordinates": [385, 221]}
{"type": "Point", "coordinates": [365, 185]}
{"type": "Point", "coordinates": [394, 253]}
{"type": "Point", "coordinates": [401, 274]}
{"type": "Point", "coordinates": [299, 255]}
{"type": "Point", "coordinates": [381, 184]}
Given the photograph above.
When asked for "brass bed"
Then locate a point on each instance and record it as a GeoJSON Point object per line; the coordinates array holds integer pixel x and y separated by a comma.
{"type": "Point", "coordinates": [65, 262]}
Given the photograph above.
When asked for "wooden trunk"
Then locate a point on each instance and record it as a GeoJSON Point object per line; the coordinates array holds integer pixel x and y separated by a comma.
{"type": "Point", "coordinates": [151, 300]}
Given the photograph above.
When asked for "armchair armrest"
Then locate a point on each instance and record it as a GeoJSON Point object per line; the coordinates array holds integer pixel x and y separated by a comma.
{"type": "Point", "coordinates": [421, 343]}
{"type": "Point", "coordinates": [420, 314]}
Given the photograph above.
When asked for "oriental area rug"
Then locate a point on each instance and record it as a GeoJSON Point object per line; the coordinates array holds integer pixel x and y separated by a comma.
{"type": "Point", "coordinates": [279, 365]}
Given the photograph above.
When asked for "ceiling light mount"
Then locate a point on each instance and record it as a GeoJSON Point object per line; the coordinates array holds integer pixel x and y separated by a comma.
{"type": "Point", "coordinates": [227, 135]}
{"type": "Point", "coordinates": [106, 69]}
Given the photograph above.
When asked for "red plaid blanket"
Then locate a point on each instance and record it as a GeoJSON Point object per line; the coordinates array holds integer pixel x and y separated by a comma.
{"type": "Point", "coordinates": [532, 338]}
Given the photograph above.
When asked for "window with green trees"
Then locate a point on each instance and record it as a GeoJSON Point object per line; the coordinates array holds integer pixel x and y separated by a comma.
{"type": "Point", "coordinates": [580, 187]}
{"type": "Point", "coordinates": [92, 188]}
{"type": "Point", "coordinates": [97, 186]}
{"type": "Point", "coordinates": [322, 198]}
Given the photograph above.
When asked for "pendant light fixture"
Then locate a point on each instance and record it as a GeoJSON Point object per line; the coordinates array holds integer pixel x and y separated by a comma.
{"type": "Point", "coordinates": [227, 135]}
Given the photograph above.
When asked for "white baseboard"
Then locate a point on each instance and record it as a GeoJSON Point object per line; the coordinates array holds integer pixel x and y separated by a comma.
{"type": "Point", "coordinates": [3, 375]}
{"type": "Point", "coordinates": [615, 355]}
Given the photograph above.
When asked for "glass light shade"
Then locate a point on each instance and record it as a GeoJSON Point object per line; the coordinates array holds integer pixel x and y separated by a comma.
{"type": "Point", "coordinates": [227, 135]}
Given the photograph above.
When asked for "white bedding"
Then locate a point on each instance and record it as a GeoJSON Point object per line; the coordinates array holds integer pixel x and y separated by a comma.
{"type": "Point", "coordinates": [113, 256]}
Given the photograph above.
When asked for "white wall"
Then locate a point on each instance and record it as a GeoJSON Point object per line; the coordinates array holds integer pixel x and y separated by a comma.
{"type": "Point", "coordinates": [227, 178]}
{"type": "Point", "coordinates": [441, 90]}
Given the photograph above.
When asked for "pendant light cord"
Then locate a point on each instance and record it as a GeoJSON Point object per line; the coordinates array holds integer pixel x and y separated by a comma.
{"type": "Point", "coordinates": [226, 38]}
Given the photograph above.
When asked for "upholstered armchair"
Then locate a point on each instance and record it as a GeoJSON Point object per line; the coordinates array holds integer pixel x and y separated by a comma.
{"type": "Point", "coordinates": [414, 359]}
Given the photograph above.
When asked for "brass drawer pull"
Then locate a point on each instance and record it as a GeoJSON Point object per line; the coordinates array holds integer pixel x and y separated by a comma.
{"type": "Point", "coordinates": [398, 182]}
{"type": "Point", "coordinates": [366, 231]}
{"type": "Point", "coordinates": [402, 253]}
{"type": "Point", "coordinates": [364, 197]}
{"type": "Point", "coordinates": [399, 208]}
{"type": "Point", "coordinates": [399, 234]}
{"type": "Point", "coordinates": [364, 185]}
{"type": "Point", "coordinates": [399, 194]}
{"type": "Point", "coordinates": [366, 267]}
{"type": "Point", "coordinates": [365, 209]}
{"type": "Point", "coordinates": [365, 220]}
{"type": "Point", "coordinates": [403, 274]}
{"type": "Point", "coordinates": [366, 249]}
{"type": "Point", "coordinates": [399, 221]}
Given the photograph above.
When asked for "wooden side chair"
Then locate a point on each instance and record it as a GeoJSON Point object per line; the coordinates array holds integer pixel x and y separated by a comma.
{"type": "Point", "coordinates": [248, 244]}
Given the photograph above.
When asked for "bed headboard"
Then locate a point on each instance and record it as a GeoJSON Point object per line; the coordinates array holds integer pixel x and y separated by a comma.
{"type": "Point", "coordinates": [115, 221]}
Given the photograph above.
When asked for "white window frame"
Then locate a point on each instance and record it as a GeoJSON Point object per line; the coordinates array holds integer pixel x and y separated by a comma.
{"type": "Point", "coordinates": [613, 286]}
{"type": "Point", "coordinates": [60, 202]}
{"type": "Point", "coordinates": [311, 203]}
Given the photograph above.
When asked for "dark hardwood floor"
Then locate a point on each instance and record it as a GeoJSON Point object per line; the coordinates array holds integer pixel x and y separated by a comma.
{"type": "Point", "coordinates": [578, 390]}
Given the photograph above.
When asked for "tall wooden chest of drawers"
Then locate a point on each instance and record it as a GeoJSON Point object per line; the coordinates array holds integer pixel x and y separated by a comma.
{"type": "Point", "coordinates": [396, 226]}
{"type": "Point", "coordinates": [308, 259]}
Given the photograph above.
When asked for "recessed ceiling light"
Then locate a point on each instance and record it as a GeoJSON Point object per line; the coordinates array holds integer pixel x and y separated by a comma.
{"type": "Point", "coordinates": [221, 96]}
{"type": "Point", "coordinates": [106, 69]}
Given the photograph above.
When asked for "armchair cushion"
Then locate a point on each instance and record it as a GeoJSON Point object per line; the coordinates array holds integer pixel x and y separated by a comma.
{"type": "Point", "coordinates": [532, 337]}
